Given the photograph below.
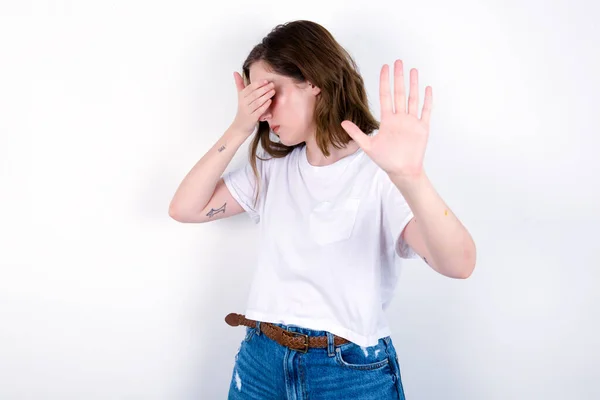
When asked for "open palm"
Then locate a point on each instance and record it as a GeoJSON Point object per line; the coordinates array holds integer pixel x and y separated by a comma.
{"type": "Point", "coordinates": [399, 146]}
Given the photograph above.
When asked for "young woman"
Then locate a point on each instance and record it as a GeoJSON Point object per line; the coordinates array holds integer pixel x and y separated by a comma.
{"type": "Point", "coordinates": [337, 196]}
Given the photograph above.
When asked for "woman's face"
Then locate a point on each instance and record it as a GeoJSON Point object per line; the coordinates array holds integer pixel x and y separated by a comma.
{"type": "Point", "coordinates": [292, 107]}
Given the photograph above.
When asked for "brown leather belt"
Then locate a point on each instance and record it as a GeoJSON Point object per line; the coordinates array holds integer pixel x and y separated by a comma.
{"type": "Point", "coordinates": [292, 340]}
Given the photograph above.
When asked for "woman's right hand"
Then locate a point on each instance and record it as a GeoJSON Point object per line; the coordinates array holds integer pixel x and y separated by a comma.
{"type": "Point", "coordinates": [253, 101]}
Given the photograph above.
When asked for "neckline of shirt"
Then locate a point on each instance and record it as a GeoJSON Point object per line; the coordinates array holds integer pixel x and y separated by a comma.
{"type": "Point", "coordinates": [323, 169]}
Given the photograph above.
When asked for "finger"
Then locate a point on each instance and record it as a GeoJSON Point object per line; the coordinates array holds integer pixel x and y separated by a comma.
{"type": "Point", "coordinates": [385, 98]}
{"type": "Point", "coordinates": [413, 96]}
{"type": "Point", "coordinates": [260, 92]}
{"type": "Point", "coordinates": [356, 134]}
{"type": "Point", "coordinates": [239, 81]}
{"type": "Point", "coordinates": [399, 91]}
{"type": "Point", "coordinates": [427, 106]}
{"type": "Point", "coordinates": [253, 86]}
{"type": "Point", "coordinates": [257, 103]}
{"type": "Point", "coordinates": [260, 110]}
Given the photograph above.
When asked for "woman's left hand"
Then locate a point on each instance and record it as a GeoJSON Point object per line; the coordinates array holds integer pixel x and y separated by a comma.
{"type": "Point", "coordinates": [399, 146]}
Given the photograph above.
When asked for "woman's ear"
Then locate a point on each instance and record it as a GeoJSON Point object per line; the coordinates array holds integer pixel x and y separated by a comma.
{"type": "Point", "coordinates": [315, 89]}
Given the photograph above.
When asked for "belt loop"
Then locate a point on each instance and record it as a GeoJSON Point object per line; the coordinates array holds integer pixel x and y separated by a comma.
{"type": "Point", "coordinates": [258, 327]}
{"type": "Point", "coordinates": [388, 348]}
{"type": "Point", "coordinates": [330, 344]}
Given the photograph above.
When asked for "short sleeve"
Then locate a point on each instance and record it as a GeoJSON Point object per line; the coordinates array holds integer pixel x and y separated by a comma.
{"type": "Point", "coordinates": [241, 183]}
{"type": "Point", "coordinates": [397, 214]}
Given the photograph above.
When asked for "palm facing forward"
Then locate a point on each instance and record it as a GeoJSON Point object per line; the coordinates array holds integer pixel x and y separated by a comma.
{"type": "Point", "coordinates": [399, 147]}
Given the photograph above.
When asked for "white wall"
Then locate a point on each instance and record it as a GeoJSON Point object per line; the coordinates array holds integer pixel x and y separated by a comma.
{"type": "Point", "coordinates": [105, 106]}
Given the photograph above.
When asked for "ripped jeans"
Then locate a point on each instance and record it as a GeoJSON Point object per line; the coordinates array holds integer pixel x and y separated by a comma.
{"type": "Point", "coordinates": [264, 369]}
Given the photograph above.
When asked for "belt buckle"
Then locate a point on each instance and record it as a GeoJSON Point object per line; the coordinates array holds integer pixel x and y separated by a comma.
{"type": "Point", "coordinates": [303, 350]}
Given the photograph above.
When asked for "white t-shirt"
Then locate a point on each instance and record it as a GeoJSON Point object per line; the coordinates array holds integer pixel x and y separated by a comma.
{"type": "Point", "coordinates": [328, 237]}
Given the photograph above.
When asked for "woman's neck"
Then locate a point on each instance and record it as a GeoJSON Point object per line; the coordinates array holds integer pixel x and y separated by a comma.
{"type": "Point", "coordinates": [316, 158]}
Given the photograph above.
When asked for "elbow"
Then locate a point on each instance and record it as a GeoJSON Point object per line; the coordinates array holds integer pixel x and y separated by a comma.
{"type": "Point", "coordinates": [180, 214]}
{"type": "Point", "coordinates": [465, 273]}
{"type": "Point", "coordinates": [469, 260]}
{"type": "Point", "coordinates": [176, 213]}
{"type": "Point", "coordinates": [463, 264]}
{"type": "Point", "coordinates": [462, 271]}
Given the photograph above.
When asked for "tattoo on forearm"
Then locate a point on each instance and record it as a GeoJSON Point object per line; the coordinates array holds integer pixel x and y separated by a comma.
{"type": "Point", "coordinates": [214, 212]}
{"type": "Point", "coordinates": [222, 148]}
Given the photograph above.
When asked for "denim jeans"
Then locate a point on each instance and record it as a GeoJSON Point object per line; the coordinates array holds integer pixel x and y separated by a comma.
{"type": "Point", "coordinates": [265, 369]}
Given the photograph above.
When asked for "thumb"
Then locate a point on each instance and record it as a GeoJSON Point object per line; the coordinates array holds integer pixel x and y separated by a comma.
{"type": "Point", "coordinates": [356, 134]}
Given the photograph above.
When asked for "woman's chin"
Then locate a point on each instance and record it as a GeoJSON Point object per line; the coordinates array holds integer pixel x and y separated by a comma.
{"type": "Point", "coordinates": [284, 140]}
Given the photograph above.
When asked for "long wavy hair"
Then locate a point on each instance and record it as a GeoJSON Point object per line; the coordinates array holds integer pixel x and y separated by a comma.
{"type": "Point", "coordinates": [306, 51]}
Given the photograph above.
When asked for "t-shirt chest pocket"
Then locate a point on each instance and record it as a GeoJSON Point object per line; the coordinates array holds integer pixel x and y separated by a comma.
{"type": "Point", "coordinates": [330, 223]}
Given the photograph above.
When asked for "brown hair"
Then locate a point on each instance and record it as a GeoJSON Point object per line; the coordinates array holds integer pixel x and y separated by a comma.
{"type": "Point", "coordinates": [306, 51]}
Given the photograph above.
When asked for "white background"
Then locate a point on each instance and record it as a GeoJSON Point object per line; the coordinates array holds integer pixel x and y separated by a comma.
{"type": "Point", "coordinates": [105, 106]}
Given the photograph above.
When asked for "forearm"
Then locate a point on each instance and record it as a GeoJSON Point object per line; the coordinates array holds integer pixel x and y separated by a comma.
{"type": "Point", "coordinates": [199, 184]}
{"type": "Point", "coordinates": [449, 243]}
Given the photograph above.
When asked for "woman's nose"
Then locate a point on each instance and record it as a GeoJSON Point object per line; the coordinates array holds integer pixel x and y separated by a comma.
{"type": "Point", "coordinates": [266, 116]}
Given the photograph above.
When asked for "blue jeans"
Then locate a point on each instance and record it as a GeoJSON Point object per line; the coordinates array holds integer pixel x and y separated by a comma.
{"type": "Point", "coordinates": [264, 369]}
